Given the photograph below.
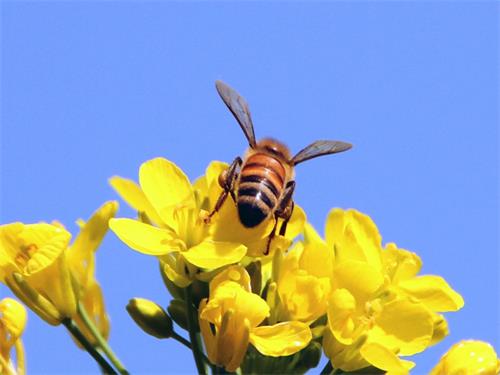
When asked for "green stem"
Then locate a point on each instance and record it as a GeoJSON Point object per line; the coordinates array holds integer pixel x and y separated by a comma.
{"type": "Point", "coordinates": [328, 369]}
{"type": "Point", "coordinates": [193, 336]}
{"type": "Point", "coordinates": [187, 344]}
{"type": "Point", "coordinates": [77, 334]}
{"type": "Point", "coordinates": [101, 342]}
{"type": "Point", "coordinates": [182, 340]}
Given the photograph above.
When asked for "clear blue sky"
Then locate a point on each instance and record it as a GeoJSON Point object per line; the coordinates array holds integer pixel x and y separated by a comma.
{"type": "Point", "coordinates": [92, 89]}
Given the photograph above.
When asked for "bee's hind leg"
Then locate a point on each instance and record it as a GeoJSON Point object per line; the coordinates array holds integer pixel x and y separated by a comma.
{"type": "Point", "coordinates": [226, 180]}
{"type": "Point", "coordinates": [283, 211]}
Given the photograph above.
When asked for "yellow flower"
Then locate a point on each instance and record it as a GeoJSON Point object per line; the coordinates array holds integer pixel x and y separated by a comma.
{"type": "Point", "coordinates": [33, 263]}
{"type": "Point", "coordinates": [469, 357]}
{"type": "Point", "coordinates": [173, 226]}
{"type": "Point", "coordinates": [379, 308]}
{"type": "Point", "coordinates": [230, 319]}
{"type": "Point", "coordinates": [303, 279]}
{"type": "Point", "coordinates": [12, 323]}
{"type": "Point", "coordinates": [81, 260]}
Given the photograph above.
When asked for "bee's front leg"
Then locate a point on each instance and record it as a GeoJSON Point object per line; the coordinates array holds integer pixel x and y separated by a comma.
{"type": "Point", "coordinates": [227, 181]}
{"type": "Point", "coordinates": [283, 211]}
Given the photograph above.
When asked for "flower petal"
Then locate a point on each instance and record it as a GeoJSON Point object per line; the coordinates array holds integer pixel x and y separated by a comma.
{"type": "Point", "coordinates": [166, 187]}
{"type": "Point", "coordinates": [13, 317]}
{"type": "Point", "coordinates": [468, 357]}
{"type": "Point", "coordinates": [434, 292]}
{"type": "Point", "coordinates": [384, 359]}
{"type": "Point", "coordinates": [359, 278]}
{"type": "Point", "coordinates": [400, 264]}
{"type": "Point", "coordinates": [230, 295]}
{"type": "Point", "coordinates": [213, 254]}
{"type": "Point", "coordinates": [341, 321]}
{"type": "Point", "coordinates": [131, 193]}
{"type": "Point", "coordinates": [404, 325]}
{"type": "Point", "coordinates": [81, 253]}
{"type": "Point", "coordinates": [354, 236]}
{"type": "Point", "coordinates": [232, 273]}
{"type": "Point", "coordinates": [144, 238]}
{"type": "Point", "coordinates": [281, 339]}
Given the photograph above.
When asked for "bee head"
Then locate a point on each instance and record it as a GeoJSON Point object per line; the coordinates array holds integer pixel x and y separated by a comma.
{"type": "Point", "coordinates": [274, 147]}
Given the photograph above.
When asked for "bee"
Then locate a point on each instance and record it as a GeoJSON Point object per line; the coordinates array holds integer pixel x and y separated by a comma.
{"type": "Point", "coordinates": [262, 182]}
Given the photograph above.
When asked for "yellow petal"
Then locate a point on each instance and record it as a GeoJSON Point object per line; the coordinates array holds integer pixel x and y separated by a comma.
{"type": "Point", "coordinates": [232, 273]}
{"type": "Point", "coordinates": [281, 339]}
{"type": "Point", "coordinates": [166, 187]}
{"type": "Point", "coordinates": [404, 325]}
{"type": "Point", "coordinates": [434, 292]}
{"type": "Point", "coordinates": [303, 296]}
{"type": "Point", "coordinates": [208, 336]}
{"type": "Point", "coordinates": [212, 173]}
{"type": "Point", "coordinates": [354, 236]}
{"type": "Point", "coordinates": [296, 224]}
{"type": "Point", "coordinates": [341, 320]}
{"type": "Point", "coordinates": [344, 357]}
{"type": "Point", "coordinates": [134, 196]}
{"type": "Point", "coordinates": [400, 264]}
{"type": "Point", "coordinates": [168, 265]}
{"type": "Point", "coordinates": [469, 357]}
{"type": "Point", "coordinates": [144, 237]}
{"type": "Point", "coordinates": [317, 259]}
{"type": "Point", "coordinates": [359, 278]}
{"type": "Point", "coordinates": [440, 330]}
{"type": "Point", "coordinates": [213, 254]}
{"type": "Point", "coordinates": [231, 295]}
{"type": "Point", "coordinates": [80, 255]}
{"type": "Point", "coordinates": [32, 247]}
{"type": "Point", "coordinates": [384, 359]}
{"type": "Point", "coordinates": [13, 317]}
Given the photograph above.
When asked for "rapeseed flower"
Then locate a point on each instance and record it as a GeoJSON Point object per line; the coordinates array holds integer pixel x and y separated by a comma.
{"type": "Point", "coordinates": [379, 308]}
{"type": "Point", "coordinates": [33, 263]}
{"type": "Point", "coordinates": [469, 357]}
{"type": "Point", "coordinates": [231, 319]}
{"type": "Point", "coordinates": [12, 323]}
{"type": "Point", "coordinates": [81, 260]}
{"type": "Point", "coordinates": [302, 278]}
{"type": "Point", "coordinates": [50, 275]}
{"type": "Point", "coordinates": [173, 224]}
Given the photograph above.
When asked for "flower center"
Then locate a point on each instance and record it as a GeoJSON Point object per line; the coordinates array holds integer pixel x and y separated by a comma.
{"type": "Point", "coordinates": [25, 253]}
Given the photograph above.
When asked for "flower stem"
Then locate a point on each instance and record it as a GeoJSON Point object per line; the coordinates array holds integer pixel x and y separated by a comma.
{"type": "Point", "coordinates": [193, 336]}
{"type": "Point", "coordinates": [182, 340]}
{"type": "Point", "coordinates": [328, 369]}
{"type": "Point", "coordinates": [20, 361]}
{"type": "Point", "coordinates": [101, 341]}
{"type": "Point", "coordinates": [77, 334]}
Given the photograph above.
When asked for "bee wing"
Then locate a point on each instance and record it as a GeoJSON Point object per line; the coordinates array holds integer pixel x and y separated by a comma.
{"type": "Point", "coordinates": [319, 148]}
{"type": "Point", "coordinates": [239, 108]}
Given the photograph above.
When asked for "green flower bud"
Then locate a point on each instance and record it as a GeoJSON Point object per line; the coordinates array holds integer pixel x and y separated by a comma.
{"type": "Point", "coordinates": [254, 269]}
{"type": "Point", "coordinates": [310, 356]}
{"type": "Point", "coordinates": [178, 312]}
{"type": "Point", "coordinates": [150, 317]}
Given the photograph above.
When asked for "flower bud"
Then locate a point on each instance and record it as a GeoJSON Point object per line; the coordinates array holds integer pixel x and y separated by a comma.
{"type": "Point", "coordinates": [468, 357]}
{"type": "Point", "coordinates": [178, 312]}
{"type": "Point", "coordinates": [310, 356]}
{"type": "Point", "coordinates": [150, 317]}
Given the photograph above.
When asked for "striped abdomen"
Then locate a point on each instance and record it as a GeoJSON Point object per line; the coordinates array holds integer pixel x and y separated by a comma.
{"type": "Point", "coordinates": [260, 185]}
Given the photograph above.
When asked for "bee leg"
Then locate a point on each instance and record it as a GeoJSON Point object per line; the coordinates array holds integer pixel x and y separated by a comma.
{"type": "Point", "coordinates": [226, 181]}
{"type": "Point", "coordinates": [286, 205]}
{"type": "Point", "coordinates": [271, 236]}
{"type": "Point", "coordinates": [284, 211]}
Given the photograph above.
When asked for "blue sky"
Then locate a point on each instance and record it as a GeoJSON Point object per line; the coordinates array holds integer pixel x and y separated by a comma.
{"type": "Point", "coordinates": [93, 89]}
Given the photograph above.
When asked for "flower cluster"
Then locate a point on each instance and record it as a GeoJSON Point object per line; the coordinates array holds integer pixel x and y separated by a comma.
{"type": "Point", "coordinates": [249, 302]}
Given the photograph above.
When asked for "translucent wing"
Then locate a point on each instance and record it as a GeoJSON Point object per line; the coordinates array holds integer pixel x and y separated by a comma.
{"type": "Point", "coordinates": [319, 148]}
{"type": "Point", "coordinates": [239, 108]}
